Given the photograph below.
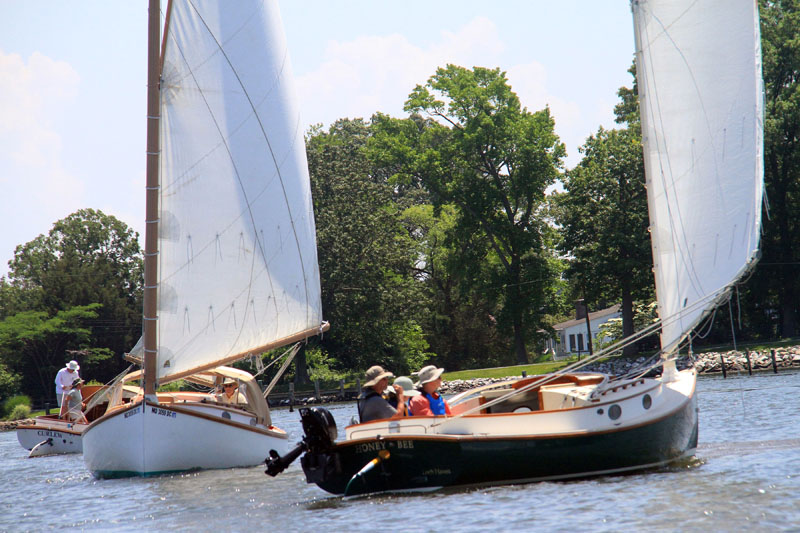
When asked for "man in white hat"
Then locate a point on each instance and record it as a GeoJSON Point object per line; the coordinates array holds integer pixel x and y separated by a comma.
{"type": "Point", "coordinates": [64, 379]}
{"type": "Point", "coordinates": [230, 394]}
{"type": "Point", "coordinates": [430, 402]}
{"type": "Point", "coordinates": [371, 405]}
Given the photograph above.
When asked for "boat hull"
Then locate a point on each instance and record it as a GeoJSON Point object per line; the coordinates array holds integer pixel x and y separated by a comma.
{"type": "Point", "coordinates": [61, 436]}
{"type": "Point", "coordinates": [430, 461]}
{"type": "Point", "coordinates": [146, 439]}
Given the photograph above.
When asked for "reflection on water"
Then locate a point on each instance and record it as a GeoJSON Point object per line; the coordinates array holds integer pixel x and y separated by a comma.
{"type": "Point", "coordinates": [745, 474]}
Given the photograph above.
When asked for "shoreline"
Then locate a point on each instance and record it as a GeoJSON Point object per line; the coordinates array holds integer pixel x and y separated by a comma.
{"type": "Point", "coordinates": [705, 363]}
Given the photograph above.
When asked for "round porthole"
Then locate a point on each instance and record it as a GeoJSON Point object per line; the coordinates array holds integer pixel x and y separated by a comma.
{"type": "Point", "coordinates": [600, 411]}
{"type": "Point", "coordinates": [647, 401]}
{"type": "Point", "coordinates": [226, 415]}
{"type": "Point", "coordinates": [614, 412]}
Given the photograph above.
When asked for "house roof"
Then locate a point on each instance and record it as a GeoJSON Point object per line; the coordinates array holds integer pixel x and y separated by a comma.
{"type": "Point", "coordinates": [592, 316]}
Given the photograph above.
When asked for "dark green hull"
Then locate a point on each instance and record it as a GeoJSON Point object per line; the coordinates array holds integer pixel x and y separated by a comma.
{"type": "Point", "coordinates": [428, 462]}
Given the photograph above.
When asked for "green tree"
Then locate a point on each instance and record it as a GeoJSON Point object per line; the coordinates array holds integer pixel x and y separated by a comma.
{"type": "Point", "coordinates": [366, 256]}
{"type": "Point", "coordinates": [86, 258]}
{"type": "Point", "coordinates": [35, 344]}
{"type": "Point", "coordinates": [603, 217]}
{"type": "Point", "coordinates": [776, 283]}
{"type": "Point", "coordinates": [461, 327]}
{"type": "Point", "coordinates": [482, 152]}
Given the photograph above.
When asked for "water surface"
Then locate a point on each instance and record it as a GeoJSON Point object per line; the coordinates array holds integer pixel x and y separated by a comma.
{"type": "Point", "coordinates": [746, 475]}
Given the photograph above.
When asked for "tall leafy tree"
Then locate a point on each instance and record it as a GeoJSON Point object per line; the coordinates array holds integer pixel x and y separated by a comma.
{"type": "Point", "coordinates": [471, 144]}
{"type": "Point", "coordinates": [604, 219]}
{"type": "Point", "coordinates": [776, 284]}
{"type": "Point", "coordinates": [461, 327]}
{"type": "Point", "coordinates": [86, 258]}
{"type": "Point", "coordinates": [33, 344]}
{"type": "Point", "coordinates": [366, 257]}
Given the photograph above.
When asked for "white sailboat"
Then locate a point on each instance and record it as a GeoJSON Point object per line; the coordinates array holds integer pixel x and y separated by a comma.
{"type": "Point", "coordinates": [230, 253]}
{"type": "Point", "coordinates": [699, 72]}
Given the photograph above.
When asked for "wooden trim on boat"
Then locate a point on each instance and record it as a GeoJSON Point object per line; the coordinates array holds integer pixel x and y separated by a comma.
{"type": "Point", "coordinates": [452, 437]}
{"type": "Point", "coordinates": [46, 428]}
{"type": "Point", "coordinates": [271, 431]}
{"type": "Point", "coordinates": [274, 431]}
{"type": "Point", "coordinates": [297, 337]}
{"type": "Point", "coordinates": [548, 436]}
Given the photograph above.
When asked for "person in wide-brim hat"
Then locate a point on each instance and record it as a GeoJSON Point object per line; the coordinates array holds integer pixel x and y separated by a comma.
{"type": "Point", "coordinates": [64, 379]}
{"type": "Point", "coordinates": [230, 395]}
{"type": "Point", "coordinates": [375, 374]}
{"type": "Point", "coordinates": [371, 403]}
{"type": "Point", "coordinates": [429, 402]}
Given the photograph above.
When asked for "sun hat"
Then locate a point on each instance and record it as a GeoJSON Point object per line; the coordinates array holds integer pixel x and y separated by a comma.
{"type": "Point", "coordinates": [375, 374]}
{"type": "Point", "coordinates": [229, 381]}
{"type": "Point", "coordinates": [428, 374]}
{"type": "Point", "coordinates": [73, 365]}
{"type": "Point", "coordinates": [76, 382]}
{"type": "Point", "coordinates": [408, 386]}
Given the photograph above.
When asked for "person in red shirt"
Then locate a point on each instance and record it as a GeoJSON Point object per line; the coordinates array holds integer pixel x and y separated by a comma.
{"type": "Point", "coordinates": [430, 402]}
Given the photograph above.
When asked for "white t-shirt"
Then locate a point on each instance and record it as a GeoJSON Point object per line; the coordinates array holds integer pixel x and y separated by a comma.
{"type": "Point", "coordinates": [64, 380]}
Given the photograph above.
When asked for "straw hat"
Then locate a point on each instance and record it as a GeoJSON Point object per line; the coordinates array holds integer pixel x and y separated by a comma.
{"type": "Point", "coordinates": [375, 374]}
{"type": "Point", "coordinates": [408, 386]}
{"type": "Point", "coordinates": [73, 365]}
{"type": "Point", "coordinates": [428, 374]}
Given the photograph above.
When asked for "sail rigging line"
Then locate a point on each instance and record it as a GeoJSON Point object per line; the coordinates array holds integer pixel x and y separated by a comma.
{"type": "Point", "coordinates": [291, 354]}
{"type": "Point", "coordinates": [299, 336]}
{"type": "Point", "coordinates": [255, 114]}
{"type": "Point", "coordinates": [616, 347]}
{"type": "Point", "coordinates": [663, 153]}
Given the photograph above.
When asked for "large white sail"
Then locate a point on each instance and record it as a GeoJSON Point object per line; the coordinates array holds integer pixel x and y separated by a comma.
{"type": "Point", "coordinates": [238, 263]}
{"type": "Point", "coordinates": [701, 100]}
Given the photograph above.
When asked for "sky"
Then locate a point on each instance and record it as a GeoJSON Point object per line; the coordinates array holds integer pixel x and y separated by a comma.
{"type": "Point", "coordinates": [73, 83]}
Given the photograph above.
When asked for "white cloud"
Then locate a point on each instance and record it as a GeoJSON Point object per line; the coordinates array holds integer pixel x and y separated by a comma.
{"type": "Point", "coordinates": [37, 190]}
{"type": "Point", "coordinates": [376, 73]}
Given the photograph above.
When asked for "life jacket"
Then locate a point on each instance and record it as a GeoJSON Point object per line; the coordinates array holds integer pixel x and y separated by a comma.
{"type": "Point", "coordinates": [437, 404]}
{"type": "Point", "coordinates": [363, 397]}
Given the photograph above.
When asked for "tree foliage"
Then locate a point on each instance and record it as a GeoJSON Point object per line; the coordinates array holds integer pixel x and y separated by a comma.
{"type": "Point", "coordinates": [773, 294]}
{"type": "Point", "coordinates": [365, 254]}
{"type": "Point", "coordinates": [481, 151]}
{"type": "Point", "coordinates": [34, 344]}
{"type": "Point", "coordinates": [87, 259]}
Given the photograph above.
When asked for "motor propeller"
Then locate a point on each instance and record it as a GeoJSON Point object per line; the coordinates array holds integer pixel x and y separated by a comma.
{"type": "Point", "coordinates": [320, 433]}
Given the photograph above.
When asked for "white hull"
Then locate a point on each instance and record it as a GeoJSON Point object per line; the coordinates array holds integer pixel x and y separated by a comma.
{"type": "Point", "coordinates": [60, 435]}
{"type": "Point", "coordinates": [149, 439]}
{"type": "Point", "coordinates": [569, 413]}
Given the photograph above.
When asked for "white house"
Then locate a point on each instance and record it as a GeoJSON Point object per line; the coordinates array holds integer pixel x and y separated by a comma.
{"type": "Point", "coordinates": [571, 336]}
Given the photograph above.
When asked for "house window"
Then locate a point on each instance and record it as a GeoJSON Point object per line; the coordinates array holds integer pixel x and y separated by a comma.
{"type": "Point", "coordinates": [580, 342]}
{"type": "Point", "coordinates": [572, 343]}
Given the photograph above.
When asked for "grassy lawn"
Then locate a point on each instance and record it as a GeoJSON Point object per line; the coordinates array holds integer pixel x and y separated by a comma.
{"type": "Point", "coordinates": [505, 371]}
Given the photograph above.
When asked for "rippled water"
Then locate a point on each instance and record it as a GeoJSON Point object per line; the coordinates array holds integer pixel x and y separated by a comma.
{"type": "Point", "coordinates": [746, 475]}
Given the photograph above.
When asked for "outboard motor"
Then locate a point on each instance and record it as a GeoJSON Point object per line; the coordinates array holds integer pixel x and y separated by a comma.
{"type": "Point", "coordinates": [320, 433]}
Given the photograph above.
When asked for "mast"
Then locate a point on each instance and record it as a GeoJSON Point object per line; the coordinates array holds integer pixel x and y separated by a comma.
{"type": "Point", "coordinates": [150, 311]}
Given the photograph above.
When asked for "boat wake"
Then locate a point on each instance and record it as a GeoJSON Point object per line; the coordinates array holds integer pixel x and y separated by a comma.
{"type": "Point", "coordinates": [712, 450]}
